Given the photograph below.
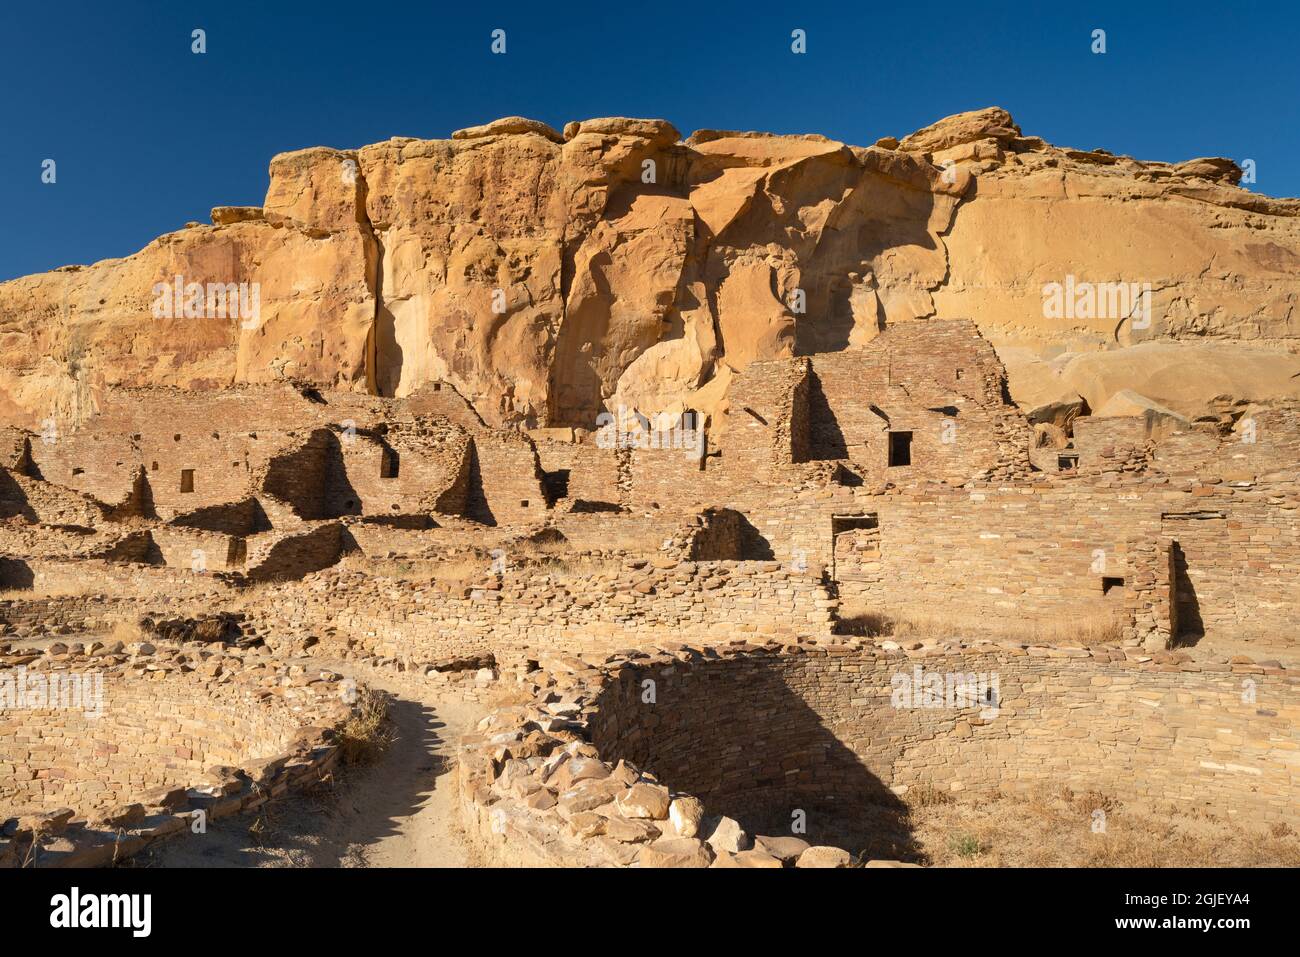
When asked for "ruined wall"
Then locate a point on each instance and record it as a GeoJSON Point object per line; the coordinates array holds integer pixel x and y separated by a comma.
{"type": "Point", "coordinates": [24, 497]}
{"type": "Point", "coordinates": [151, 734]}
{"type": "Point", "coordinates": [664, 601]}
{"type": "Point", "coordinates": [417, 467]}
{"type": "Point", "coordinates": [764, 733]}
{"type": "Point", "coordinates": [760, 432]}
{"type": "Point", "coordinates": [145, 737]}
{"type": "Point", "coordinates": [583, 473]}
{"type": "Point", "coordinates": [636, 531]}
{"type": "Point", "coordinates": [506, 480]}
{"type": "Point", "coordinates": [937, 385]}
{"type": "Point", "coordinates": [272, 556]}
{"type": "Point", "coordinates": [221, 439]}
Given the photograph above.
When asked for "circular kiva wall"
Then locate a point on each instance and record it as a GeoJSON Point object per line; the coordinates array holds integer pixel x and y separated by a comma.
{"type": "Point", "coordinates": [837, 733]}
{"type": "Point", "coordinates": [91, 734]}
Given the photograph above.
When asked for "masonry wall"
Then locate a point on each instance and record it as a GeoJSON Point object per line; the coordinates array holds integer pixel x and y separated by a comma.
{"type": "Point", "coordinates": [273, 556]}
{"type": "Point", "coordinates": [152, 733]}
{"type": "Point", "coordinates": [939, 382]}
{"type": "Point", "coordinates": [413, 468]}
{"type": "Point", "coordinates": [760, 433]}
{"type": "Point", "coordinates": [506, 480]}
{"type": "Point", "coordinates": [593, 474]}
{"type": "Point", "coordinates": [766, 733]}
{"type": "Point", "coordinates": [666, 601]}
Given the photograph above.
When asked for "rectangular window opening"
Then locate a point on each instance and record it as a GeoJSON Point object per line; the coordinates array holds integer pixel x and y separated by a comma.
{"type": "Point", "coordinates": [900, 448]}
{"type": "Point", "coordinates": [187, 480]}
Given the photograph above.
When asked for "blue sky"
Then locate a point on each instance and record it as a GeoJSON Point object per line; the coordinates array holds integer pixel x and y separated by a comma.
{"type": "Point", "coordinates": [147, 135]}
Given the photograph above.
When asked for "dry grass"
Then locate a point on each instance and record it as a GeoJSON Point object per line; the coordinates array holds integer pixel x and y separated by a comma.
{"type": "Point", "coordinates": [1055, 828]}
{"type": "Point", "coordinates": [50, 591]}
{"type": "Point", "coordinates": [127, 631]}
{"type": "Point", "coordinates": [368, 733]}
{"type": "Point", "coordinates": [857, 619]}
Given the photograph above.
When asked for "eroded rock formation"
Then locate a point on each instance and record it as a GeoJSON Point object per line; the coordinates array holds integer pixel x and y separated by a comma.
{"type": "Point", "coordinates": [551, 276]}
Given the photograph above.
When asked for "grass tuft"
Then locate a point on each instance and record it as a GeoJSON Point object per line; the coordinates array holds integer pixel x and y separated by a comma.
{"type": "Point", "coordinates": [368, 733]}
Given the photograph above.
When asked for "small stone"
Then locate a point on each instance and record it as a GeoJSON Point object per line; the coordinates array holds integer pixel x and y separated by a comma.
{"type": "Point", "coordinates": [785, 849]}
{"type": "Point", "coordinates": [587, 824]}
{"type": "Point", "coordinates": [824, 856]}
{"type": "Point", "coordinates": [644, 801]}
{"type": "Point", "coordinates": [629, 831]}
{"type": "Point", "coordinates": [676, 852]}
{"type": "Point", "coordinates": [124, 815]}
{"type": "Point", "coordinates": [686, 814]}
{"type": "Point", "coordinates": [728, 835]}
{"type": "Point", "coordinates": [747, 859]}
{"type": "Point", "coordinates": [889, 864]}
{"type": "Point", "coordinates": [543, 799]}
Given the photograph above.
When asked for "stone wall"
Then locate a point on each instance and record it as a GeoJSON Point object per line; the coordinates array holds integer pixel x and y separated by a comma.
{"type": "Point", "coordinates": [105, 748]}
{"type": "Point", "coordinates": [535, 791]}
{"type": "Point", "coordinates": [838, 729]}
{"type": "Point", "coordinates": [762, 734]}
{"type": "Point", "coordinates": [937, 384]}
{"type": "Point", "coordinates": [646, 601]}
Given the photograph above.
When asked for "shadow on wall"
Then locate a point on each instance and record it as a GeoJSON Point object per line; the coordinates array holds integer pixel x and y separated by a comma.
{"type": "Point", "coordinates": [736, 736]}
{"type": "Point", "coordinates": [388, 353]}
{"type": "Point", "coordinates": [888, 218]}
{"type": "Point", "coordinates": [13, 500]}
{"type": "Point", "coordinates": [16, 575]}
{"type": "Point", "coordinates": [312, 479]}
{"type": "Point", "coordinates": [476, 503]}
{"type": "Point", "coordinates": [138, 547]}
{"type": "Point", "coordinates": [246, 517]}
{"type": "Point", "coordinates": [826, 439]}
{"type": "Point", "coordinates": [138, 502]}
{"type": "Point", "coordinates": [1191, 627]}
{"type": "Point", "coordinates": [297, 555]}
{"type": "Point", "coordinates": [727, 535]}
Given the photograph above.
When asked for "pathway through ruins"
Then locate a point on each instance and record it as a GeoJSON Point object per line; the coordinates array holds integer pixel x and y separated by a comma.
{"type": "Point", "coordinates": [399, 812]}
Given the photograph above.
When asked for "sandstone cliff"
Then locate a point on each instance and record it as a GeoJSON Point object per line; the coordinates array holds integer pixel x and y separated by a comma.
{"type": "Point", "coordinates": [548, 276]}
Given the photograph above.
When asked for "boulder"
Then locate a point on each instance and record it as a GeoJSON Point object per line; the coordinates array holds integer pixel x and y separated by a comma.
{"type": "Point", "coordinates": [727, 835]}
{"type": "Point", "coordinates": [644, 801]}
{"type": "Point", "coordinates": [824, 856]}
{"type": "Point", "coordinates": [686, 814]}
{"type": "Point", "coordinates": [676, 852]}
{"type": "Point", "coordinates": [784, 849]}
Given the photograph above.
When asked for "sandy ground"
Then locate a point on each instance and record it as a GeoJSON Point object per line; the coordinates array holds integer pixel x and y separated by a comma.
{"type": "Point", "coordinates": [398, 812]}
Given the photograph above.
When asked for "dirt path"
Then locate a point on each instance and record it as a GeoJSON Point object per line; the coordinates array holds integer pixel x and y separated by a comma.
{"type": "Point", "coordinates": [399, 812]}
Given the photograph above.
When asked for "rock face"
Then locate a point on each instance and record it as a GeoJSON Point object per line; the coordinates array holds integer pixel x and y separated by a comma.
{"type": "Point", "coordinates": [550, 277]}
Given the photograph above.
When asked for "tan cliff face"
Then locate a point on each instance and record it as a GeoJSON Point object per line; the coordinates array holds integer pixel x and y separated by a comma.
{"type": "Point", "coordinates": [550, 277]}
